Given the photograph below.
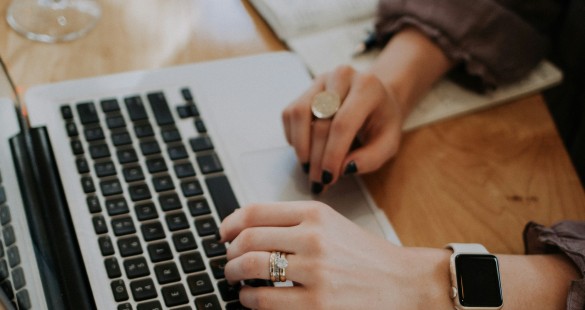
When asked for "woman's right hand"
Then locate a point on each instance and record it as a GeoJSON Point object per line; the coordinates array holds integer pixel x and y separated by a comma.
{"type": "Point", "coordinates": [368, 112]}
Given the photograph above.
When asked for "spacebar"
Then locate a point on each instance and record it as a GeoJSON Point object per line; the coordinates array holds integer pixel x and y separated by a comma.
{"type": "Point", "coordinates": [222, 194]}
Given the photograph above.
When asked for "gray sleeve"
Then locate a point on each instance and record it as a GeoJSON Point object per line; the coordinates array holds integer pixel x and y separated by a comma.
{"type": "Point", "coordinates": [567, 237]}
{"type": "Point", "coordinates": [488, 40]}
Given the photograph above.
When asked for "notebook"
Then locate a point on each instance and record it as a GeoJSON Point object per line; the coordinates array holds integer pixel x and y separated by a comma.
{"type": "Point", "coordinates": [117, 184]}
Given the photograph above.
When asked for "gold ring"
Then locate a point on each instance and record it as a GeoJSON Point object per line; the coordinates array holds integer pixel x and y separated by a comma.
{"type": "Point", "coordinates": [277, 266]}
{"type": "Point", "coordinates": [272, 267]}
{"type": "Point", "coordinates": [282, 263]}
{"type": "Point", "coordinates": [325, 104]}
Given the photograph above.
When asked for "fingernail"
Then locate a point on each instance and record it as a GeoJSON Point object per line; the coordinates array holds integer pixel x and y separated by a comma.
{"type": "Point", "coordinates": [326, 177]}
{"type": "Point", "coordinates": [351, 168]}
{"type": "Point", "coordinates": [217, 235]}
{"type": "Point", "coordinates": [316, 188]}
{"type": "Point", "coordinates": [306, 167]}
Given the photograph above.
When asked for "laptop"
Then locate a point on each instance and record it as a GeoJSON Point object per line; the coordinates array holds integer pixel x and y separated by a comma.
{"type": "Point", "coordinates": [116, 184]}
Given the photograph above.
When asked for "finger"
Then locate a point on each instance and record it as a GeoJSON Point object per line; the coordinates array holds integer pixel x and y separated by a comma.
{"type": "Point", "coordinates": [256, 265]}
{"type": "Point", "coordinates": [372, 154]}
{"type": "Point", "coordinates": [318, 142]}
{"type": "Point", "coordinates": [299, 119]}
{"type": "Point", "coordinates": [273, 214]}
{"type": "Point", "coordinates": [275, 297]}
{"type": "Point", "coordinates": [283, 239]}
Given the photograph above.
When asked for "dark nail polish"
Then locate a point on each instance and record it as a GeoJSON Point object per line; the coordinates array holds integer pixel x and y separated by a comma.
{"type": "Point", "coordinates": [217, 235]}
{"type": "Point", "coordinates": [316, 188]}
{"type": "Point", "coordinates": [326, 177]}
{"type": "Point", "coordinates": [351, 168]}
{"type": "Point", "coordinates": [306, 167]}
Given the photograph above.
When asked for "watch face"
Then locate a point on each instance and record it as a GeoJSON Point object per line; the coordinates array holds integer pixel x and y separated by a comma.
{"type": "Point", "coordinates": [478, 280]}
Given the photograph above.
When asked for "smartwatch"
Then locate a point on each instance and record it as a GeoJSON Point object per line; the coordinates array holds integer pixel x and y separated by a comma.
{"type": "Point", "coordinates": [475, 277]}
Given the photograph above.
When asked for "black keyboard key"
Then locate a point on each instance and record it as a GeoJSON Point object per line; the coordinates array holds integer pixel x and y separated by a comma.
{"type": "Point", "coordinates": [213, 248]}
{"type": "Point", "coordinates": [6, 286]}
{"type": "Point", "coordinates": [186, 92]}
{"type": "Point", "coordinates": [18, 279]}
{"type": "Point", "coordinates": [105, 169]}
{"type": "Point", "coordinates": [135, 108]}
{"type": "Point", "coordinates": [184, 241]}
{"type": "Point", "coordinates": [163, 183]}
{"type": "Point", "coordinates": [110, 105]}
{"type": "Point", "coordinates": [136, 267]}
{"type": "Point", "coordinates": [9, 236]}
{"type": "Point", "coordinates": [112, 268]}
{"type": "Point", "coordinates": [123, 226]}
{"type": "Point", "coordinates": [191, 188]}
{"type": "Point", "coordinates": [143, 289]}
{"type": "Point", "coordinates": [115, 121]}
{"type": "Point", "coordinates": [222, 195]}
{"type": "Point", "coordinates": [129, 246]}
{"type": "Point", "coordinates": [13, 256]}
{"type": "Point", "coordinates": [167, 273]}
{"type": "Point", "coordinates": [207, 303]}
{"type": "Point", "coordinates": [149, 148]}
{"type": "Point", "coordinates": [228, 292]}
{"type": "Point", "coordinates": [121, 138]}
{"type": "Point", "coordinates": [99, 225]}
{"type": "Point", "coordinates": [191, 262]}
{"type": "Point", "coordinates": [5, 217]}
{"type": "Point", "coordinates": [133, 173]}
{"type": "Point", "coordinates": [160, 108]}
{"type": "Point", "coordinates": [201, 143]}
{"type": "Point", "coordinates": [199, 284]}
{"type": "Point", "coordinates": [175, 295]}
{"type": "Point", "coordinates": [139, 192]}
{"type": "Point", "coordinates": [146, 211]}
{"type": "Point", "coordinates": [126, 156]}
{"type": "Point", "coordinates": [87, 113]}
{"type": "Point", "coordinates": [23, 300]}
{"type": "Point", "coordinates": [155, 165]}
{"type": "Point", "coordinates": [198, 207]}
{"type": "Point", "coordinates": [209, 163]}
{"type": "Point", "coordinates": [99, 151]}
{"type": "Point", "coordinates": [184, 170]}
{"type": "Point", "coordinates": [149, 305]}
{"type": "Point", "coordinates": [125, 306]}
{"type": "Point", "coordinates": [159, 252]}
{"type": "Point", "coordinates": [143, 131]}
{"type": "Point", "coordinates": [200, 126]}
{"type": "Point", "coordinates": [177, 221]}
{"type": "Point", "coordinates": [218, 267]}
{"type": "Point", "coordinates": [111, 187]}
{"type": "Point", "coordinates": [152, 231]}
{"type": "Point", "coordinates": [82, 165]}
{"type": "Point", "coordinates": [71, 130]}
{"type": "Point", "coordinates": [169, 202]}
{"type": "Point", "coordinates": [236, 305]}
{"type": "Point", "coordinates": [76, 147]}
{"type": "Point", "coordinates": [205, 226]}
{"type": "Point", "coordinates": [116, 206]}
{"type": "Point", "coordinates": [66, 112]}
{"type": "Point", "coordinates": [177, 152]}
{"type": "Point", "coordinates": [87, 184]}
{"type": "Point", "coordinates": [106, 246]}
{"type": "Point", "coordinates": [94, 134]}
{"type": "Point", "coordinates": [93, 204]}
{"type": "Point", "coordinates": [171, 135]}
{"type": "Point", "coordinates": [4, 272]}
{"type": "Point", "coordinates": [119, 290]}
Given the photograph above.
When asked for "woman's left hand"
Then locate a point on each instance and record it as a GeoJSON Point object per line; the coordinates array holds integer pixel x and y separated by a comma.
{"type": "Point", "coordinates": [333, 263]}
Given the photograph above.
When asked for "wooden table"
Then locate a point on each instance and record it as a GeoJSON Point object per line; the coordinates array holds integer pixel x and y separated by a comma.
{"type": "Point", "coordinates": [478, 178]}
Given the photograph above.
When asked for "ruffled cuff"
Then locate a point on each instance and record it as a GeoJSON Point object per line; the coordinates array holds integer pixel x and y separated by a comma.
{"type": "Point", "coordinates": [566, 237]}
{"type": "Point", "coordinates": [492, 43]}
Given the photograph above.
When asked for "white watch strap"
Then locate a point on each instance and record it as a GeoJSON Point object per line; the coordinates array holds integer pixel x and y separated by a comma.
{"type": "Point", "coordinates": [467, 248]}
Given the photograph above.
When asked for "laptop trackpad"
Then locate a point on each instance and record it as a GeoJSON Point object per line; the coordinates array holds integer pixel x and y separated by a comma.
{"type": "Point", "coordinates": [275, 175]}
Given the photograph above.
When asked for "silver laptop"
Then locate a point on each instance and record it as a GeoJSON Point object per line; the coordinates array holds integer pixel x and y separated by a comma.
{"type": "Point", "coordinates": [123, 180]}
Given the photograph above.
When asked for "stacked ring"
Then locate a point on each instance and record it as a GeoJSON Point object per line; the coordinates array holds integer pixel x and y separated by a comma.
{"type": "Point", "coordinates": [277, 267]}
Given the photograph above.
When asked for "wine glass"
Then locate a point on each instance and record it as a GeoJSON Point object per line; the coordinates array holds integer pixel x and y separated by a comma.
{"type": "Point", "coordinates": [53, 20]}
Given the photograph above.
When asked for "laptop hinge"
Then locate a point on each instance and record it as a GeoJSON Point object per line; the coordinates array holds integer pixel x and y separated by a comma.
{"type": "Point", "coordinates": [60, 262]}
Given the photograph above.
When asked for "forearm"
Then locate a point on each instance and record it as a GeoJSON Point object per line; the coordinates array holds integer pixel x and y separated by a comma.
{"type": "Point", "coordinates": [536, 281]}
{"type": "Point", "coordinates": [409, 66]}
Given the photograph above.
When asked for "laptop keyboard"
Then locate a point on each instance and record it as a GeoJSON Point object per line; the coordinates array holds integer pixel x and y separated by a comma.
{"type": "Point", "coordinates": [12, 280]}
{"type": "Point", "coordinates": [146, 187]}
